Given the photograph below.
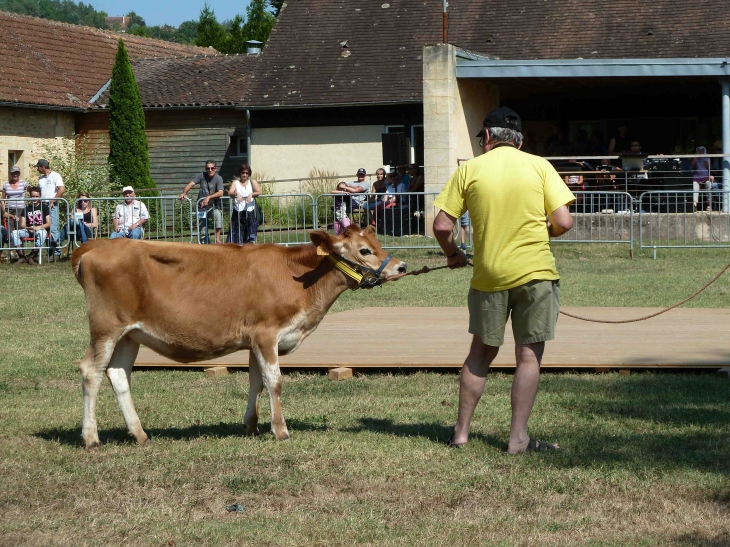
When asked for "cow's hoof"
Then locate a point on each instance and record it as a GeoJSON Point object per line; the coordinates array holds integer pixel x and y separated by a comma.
{"type": "Point", "coordinates": [251, 432]}
{"type": "Point", "coordinates": [93, 446]}
{"type": "Point", "coordinates": [283, 437]}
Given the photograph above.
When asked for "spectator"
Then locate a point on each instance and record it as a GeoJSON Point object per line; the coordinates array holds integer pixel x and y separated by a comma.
{"type": "Point", "coordinates": [211, 189]}
{"type": "Point", "coordinates": [36, 221]}
{"type": "Point", "coordinates": [581, 147]}
{"type": "Point", "coordinates": [560, 145]}
{"type": "Point", "coordinates": [342, 219]}
{"type": "Point", "coordinates": [701, 176]}
{"type": "Point", "coordinates": [405, 176]}
{"type": "Point", "coordinates": [621, 143]}
{"type": "Point", "coordinates": [394, 186]}
{"type": "Point", "coordinates": [377, 192]}
{"type": "Point", "coordinates": [14, 192]}
{"type": "Point", "coordinates": [51, 185]}
{"type": "Point", "coordinates": [84, 220]}
{"type": "Point", "coordinates": [596, 145]}
{"type": "Point", "coordinates": [357, 199]}
{"type": "Point", "coordinates": [358, 187]}
{"type": "Point", "coordinates": [244, 218]}
{"type": "Point", "coordinates": [129, 217]}
{"type": "Point", "coordinates": [3, 232]}
{"type": "Point", "coordinates": [416, 182]}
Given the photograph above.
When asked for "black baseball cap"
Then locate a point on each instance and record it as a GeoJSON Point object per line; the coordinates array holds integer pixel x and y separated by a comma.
{"type": "Point", "coordinates": [361, 171]}
{"type": "Point", "coordinates": [502, 117]}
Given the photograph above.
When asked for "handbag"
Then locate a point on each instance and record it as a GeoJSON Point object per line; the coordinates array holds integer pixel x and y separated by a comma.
{"type": "Point", "coordinates": [259, 212]}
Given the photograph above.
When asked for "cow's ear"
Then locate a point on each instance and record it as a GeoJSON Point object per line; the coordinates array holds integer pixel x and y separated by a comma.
{"type": "Point", "coordinates": [322, 241]}
{"type": "Point", "coordinates": [370, 229]}
{"type": "Point", "coordinates": [352, 230]}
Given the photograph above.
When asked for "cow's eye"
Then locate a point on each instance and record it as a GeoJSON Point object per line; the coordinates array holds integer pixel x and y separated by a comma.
{"type": "Point", "coordinates": [365, 251]}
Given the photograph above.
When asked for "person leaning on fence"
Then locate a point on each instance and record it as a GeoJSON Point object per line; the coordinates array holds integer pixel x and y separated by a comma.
{"type": "Point", "coordinates": [211, 189]}
{"type": "Point", "coordinates": [509, 195]}
{"type": "Point", "coordinates": [377, 191]}
{"type": "Point", "coordinates": [51, 185]}
{"type": "Point", "coordinates": [14, 191]}
{"type": "Point", "coordinates": [84, 221]}
{"type": "Point", "coordinates": [244, 217]}
{"type": "Point", "coordinates": [35, 223]}
{"type": "Point", "coordinates": [129, 217]}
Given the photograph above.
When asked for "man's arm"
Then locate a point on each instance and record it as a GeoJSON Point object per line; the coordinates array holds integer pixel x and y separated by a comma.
{"type": "Point", "coordinates": [560, 221]}
{"type": "Point", "coordinates": [443, 230]}
{"type": "Point", "coordinates": [187, 189]}
{"type": "Point", "coordinates": [46, 225]}
{"type": "Point", "coordinates": [143, 217]}
{"type": "Point", "coordinates": [115, 220]}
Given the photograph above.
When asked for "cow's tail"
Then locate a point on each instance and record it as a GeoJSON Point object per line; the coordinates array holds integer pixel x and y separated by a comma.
{"type": "Point", "coordinates": [76, 259]}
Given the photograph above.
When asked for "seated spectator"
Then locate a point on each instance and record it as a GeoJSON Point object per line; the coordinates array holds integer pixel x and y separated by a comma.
{"type": "Point", "coordinates": [394, 186]}
{"type": "Point", "coordinates": [701, 176]}
{"type": "Point", "coordinates": [14, 191]}
{"type": "Point", "coordinates": [129, 217]}
{"type": "Point", "coordinates": [85, 219]}
{"type": "Point", "coordinates": [405, 175]}
{"type": "Point", "coordinates": [35, 222]}
{"type": "Point", "coordinates": [342, 219]}
{"type": "Point", "coordinates": [596, 145]}
{"type": "Point", "coordinates": [621, 143]}
{"type": "Point", "coordinates": [357, 199]}
{"type": "Point", "coordinates": [377, 191]}
{"type": "Point", "coordinates": [416, 183]}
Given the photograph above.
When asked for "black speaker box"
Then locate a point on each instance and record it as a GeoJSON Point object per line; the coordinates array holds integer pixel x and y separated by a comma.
{"type": "Point", "coordinates": [396, 149]}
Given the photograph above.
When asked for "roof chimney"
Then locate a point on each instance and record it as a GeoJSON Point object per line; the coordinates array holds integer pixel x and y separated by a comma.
{"type": "Point", "coordinates": [254, 47]}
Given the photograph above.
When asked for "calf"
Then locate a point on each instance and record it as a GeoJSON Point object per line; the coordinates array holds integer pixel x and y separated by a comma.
{"type": "Point", "coordinates": [197, 302]}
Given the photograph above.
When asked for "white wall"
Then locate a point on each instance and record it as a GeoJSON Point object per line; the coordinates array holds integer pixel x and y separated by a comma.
{"type": "Point", "coordinates": [290, 153]}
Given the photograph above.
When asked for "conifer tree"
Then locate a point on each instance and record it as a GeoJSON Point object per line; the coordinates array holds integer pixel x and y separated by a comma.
{"type": "Point", "coordinates": [129, 162]}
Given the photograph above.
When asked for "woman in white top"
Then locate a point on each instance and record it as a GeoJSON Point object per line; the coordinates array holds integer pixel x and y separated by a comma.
{"type": "Point", "coordinates": [244, 223]}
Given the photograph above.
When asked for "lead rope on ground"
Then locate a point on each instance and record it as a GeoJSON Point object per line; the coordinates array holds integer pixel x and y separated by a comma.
{"type": "Point", "coordinates": [426, 269]}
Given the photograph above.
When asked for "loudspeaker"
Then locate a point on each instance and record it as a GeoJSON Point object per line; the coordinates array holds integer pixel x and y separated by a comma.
{"type": "Point", "coordinates": [396, 149]}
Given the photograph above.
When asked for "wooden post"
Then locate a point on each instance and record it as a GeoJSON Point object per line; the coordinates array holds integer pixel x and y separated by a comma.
{"type": "Point", "coordinates": [212, 372]}
{"type": "Point", "coordinates": [624, 372]}
{"type": "Point", "coordinates": [724, 373]}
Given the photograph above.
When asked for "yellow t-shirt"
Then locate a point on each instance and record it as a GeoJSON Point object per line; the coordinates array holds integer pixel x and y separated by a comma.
{"type": "Point", "coordinates": [508, 194]}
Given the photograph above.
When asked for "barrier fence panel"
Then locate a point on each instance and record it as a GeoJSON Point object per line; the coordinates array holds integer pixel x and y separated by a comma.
{"type": "Point", "coordinates": [401, 220]}
{"type": "Point", "coordinates": [670, 219]}
{"type": "Point", "coordinates": [32, 228]}
{"type": "Point", "coordinates": [285, 219]}
{"type": "Point", "coordinates": [168, 219]}
{"type": "Point", "coordinates": [600, 217]}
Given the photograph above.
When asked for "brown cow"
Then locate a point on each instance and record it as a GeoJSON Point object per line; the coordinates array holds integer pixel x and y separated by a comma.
{"type": "Point", "coordinates": [197, 302]}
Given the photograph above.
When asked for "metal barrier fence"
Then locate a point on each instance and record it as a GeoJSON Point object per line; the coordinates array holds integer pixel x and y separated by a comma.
{"type": "Point", "coordinates": [600, 217]}
{"type": "Point", "coordinates": [31, 228]}
{"type": "Point", "coordinates": [167, 219]}
{"type": "Point", "coordinates": [401, 220]}
{"type": "Point", "coordinates": [286, 220]}
{"type": "Point", "coordinates": [670, 219]}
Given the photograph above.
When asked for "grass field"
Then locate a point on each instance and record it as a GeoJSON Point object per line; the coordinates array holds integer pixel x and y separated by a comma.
{"type": "Point", "coordinates": [645, 459]}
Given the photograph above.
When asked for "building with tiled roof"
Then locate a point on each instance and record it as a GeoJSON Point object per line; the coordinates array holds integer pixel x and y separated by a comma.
{"type": "Point", "coordinates": [54, 80]}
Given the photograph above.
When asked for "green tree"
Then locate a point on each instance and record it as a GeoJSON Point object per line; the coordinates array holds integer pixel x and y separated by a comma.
{"type": "Point", "coordinates": [210, 31]}
{"type": "Point", "coordinates": [259, 22]}
{"type": "Point", "coordinates": [129, 160]}
{"type": "Point", "coordinates": [276, 6]}
{"type": "Point", "coordinates": [135, 20]}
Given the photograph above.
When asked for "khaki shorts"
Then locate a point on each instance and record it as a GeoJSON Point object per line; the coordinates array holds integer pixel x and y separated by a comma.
{"type": "Point", "coordinates": [217, 219]}
{"type": "Point", "coordinates": [534, 307]}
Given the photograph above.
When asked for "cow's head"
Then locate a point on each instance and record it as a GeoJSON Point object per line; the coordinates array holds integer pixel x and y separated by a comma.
{"type": "Point", "coordinates": [361, 249]}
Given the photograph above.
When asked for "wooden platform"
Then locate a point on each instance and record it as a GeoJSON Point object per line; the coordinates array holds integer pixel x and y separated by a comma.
{"type": "Point", "coordinates": [438, 338]}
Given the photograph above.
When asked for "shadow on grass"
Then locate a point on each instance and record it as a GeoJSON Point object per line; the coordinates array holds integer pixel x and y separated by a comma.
{"type": "Point", "coordinates": [700, 540]}
{"type": "Point", "coordinates": [72, 436]}
{"type": "Point", "coordinates": [435, 432]}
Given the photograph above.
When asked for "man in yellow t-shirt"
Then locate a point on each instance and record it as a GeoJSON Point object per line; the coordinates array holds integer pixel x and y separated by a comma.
{"type": "Point", "coordinates": [509, 195]}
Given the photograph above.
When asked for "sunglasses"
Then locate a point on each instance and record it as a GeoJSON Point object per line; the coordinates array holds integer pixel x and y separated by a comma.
{"type": "Point", "coordinates": [245, 173]}
{"type": "Point", "coordinates": [211, 168]}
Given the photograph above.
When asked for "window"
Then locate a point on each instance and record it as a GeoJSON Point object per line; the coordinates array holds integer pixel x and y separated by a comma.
{"type": "Point", "coordinates": [238, 146]}
{"type": "Point", "coordinates": [14, 158]}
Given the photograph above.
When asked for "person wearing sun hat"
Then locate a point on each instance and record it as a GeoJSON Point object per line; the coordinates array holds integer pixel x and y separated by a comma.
{"type": "Point", "coordinates": [129, 217]}
{"type": "Point", "coordinates": [509, 195]}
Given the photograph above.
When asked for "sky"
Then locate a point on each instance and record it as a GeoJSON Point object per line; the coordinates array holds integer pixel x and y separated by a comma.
{"type": "Point", "coordinates": [157, 12]}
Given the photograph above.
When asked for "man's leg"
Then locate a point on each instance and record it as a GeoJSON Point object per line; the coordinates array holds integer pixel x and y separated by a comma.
{"type": "Point", "coordinates": [471, 385]}
{"type": "Point", "coordinates": [218, 224]}
{"type": "Point", "coordinates": [524, 391]}
{"type": "Point", "coordinates": [16, 236]}
{"type": "Point", "coordinates": [54, 223]}
{"type": "Point", "coordinates": [136, 233]}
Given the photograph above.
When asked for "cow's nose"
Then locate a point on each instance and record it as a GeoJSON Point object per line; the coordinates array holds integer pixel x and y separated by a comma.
{"type": "Point", "coordinates": [403, 267]}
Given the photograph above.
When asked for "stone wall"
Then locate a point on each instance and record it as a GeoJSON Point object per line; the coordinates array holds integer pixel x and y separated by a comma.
{"type": "Point", "coordinates": [26, 132]}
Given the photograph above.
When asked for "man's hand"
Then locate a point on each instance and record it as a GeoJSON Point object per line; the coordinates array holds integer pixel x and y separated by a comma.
{"type": "Point", "coordinates": [456, 261]}
{"type": "Point", "coordinates": [182, 196]}
{"type": "Point", "coordinates": [204, 202]}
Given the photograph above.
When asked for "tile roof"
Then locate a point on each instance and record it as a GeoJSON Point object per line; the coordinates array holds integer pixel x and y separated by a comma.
{"type": "Point", "coordinates": [329, 52]}
{"type": "Point", "coordinates": [591, 29]}
{"type": "Point", "coordinates": [201, 80]}
{"type": "Point", "coordinates": [346, 51]}
{"type": "Point", "coordinates": [61, 65]}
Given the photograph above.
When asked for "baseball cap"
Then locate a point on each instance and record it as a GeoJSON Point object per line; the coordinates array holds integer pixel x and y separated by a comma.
{"type": "Point", "coordinates": [127, 189]}
{"type": "Point", "coordinates": [15, 169]}
{"type": "Point", "coordinates": [502, 117]}
{"type": "Point", "coordinates": [42, 163]}
{"type": "Point", "coordinates": [361, 171]}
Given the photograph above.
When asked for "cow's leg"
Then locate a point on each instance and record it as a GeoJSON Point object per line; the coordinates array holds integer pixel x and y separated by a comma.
{"type": "Point", "coordinates": [267, 355]}
{"type": "Point", "coordinates": [120, 376]}
{"type": "Point", "coordinates": [256, 384]}
{"type": "Point", "coordinates": [92, 372]}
